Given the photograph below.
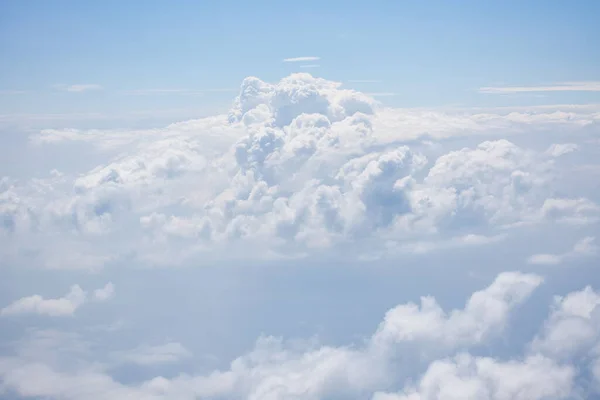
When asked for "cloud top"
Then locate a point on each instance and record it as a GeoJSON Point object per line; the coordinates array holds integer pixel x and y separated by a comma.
{"type": "Point", "coordinates": [60, 307]}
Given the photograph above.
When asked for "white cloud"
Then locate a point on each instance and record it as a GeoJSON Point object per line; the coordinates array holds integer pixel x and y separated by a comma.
{"type": "Point", "coordinates": [275, 369]}
{"type": "Point", "coordinates": [411, 342]}
{"type": "Point", "coordinates": [545, 259]}
{"type": "Point", "coordinates": [573, 327]}
{"type": "Point", "coordinates": [36, 304]}
{"type": "Point", "coordinates": [590, 86]}
{"type": "Point", "coordinates": [560, 149]}
{"type": "Point", "coordinates": [83, 87]}
{"type": "Point", "coordinates": [424, 247]}
{"type": "Point", "coordinates": [300, 59]}
{"type": "Point", "coordinates": [60, 307]}
{"type": "Point", "coordinates": [485, 313]}
{"type": "Point", "coordinates": [575, 211]}
{"type": "Point", "coordinates": [584, 247]}
{"type": "Point", "coordinates": [170, 352]}
{"type": "Point", "coordinates": [483, 378]}
{"type": "Point", "coordinates": [296, 165]}
{"type": "Point", "coordinates": [305, 167]}
{"type": "Point", "coordinates": [416, 353]}
{"type": "Point", "coordinates": [105, 293]}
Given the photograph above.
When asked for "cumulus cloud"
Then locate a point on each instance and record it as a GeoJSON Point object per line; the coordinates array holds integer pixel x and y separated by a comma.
{"type": "Point", "coordinates": [483, 378]}
{"type": "Point", "coordinates": [275, 369]}
{"type": "Point", "coordinates": [573, 327]}
{"type": "Point", "coordinates": [36, 304]}
{"type": "Point", "coordinates": [555, 365]}
{"type": "Point", "coordinates": [60, 307]}
{"type": "Point", "coordinates": [584, 247]}
{"type": "Point", "coordinates": [485, 313]}
{"type": "Point", "coordinates": [295, 166]}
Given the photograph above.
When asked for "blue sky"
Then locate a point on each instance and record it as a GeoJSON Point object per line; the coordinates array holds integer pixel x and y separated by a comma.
{"type": "Point", "coordinates": [191, 206]}
{"type": "Point", "coordinates": [427, 53]}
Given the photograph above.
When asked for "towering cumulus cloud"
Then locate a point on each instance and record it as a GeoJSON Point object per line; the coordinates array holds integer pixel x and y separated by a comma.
{"type": "Point", "coordinates": [297, 166]}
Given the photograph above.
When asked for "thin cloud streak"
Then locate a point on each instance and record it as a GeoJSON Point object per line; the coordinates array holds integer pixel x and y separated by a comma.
{"type": "Point", "coordinates": [300, 59]}
{"type": "Point", "coordinates": [591, 86]}
{"type": "Point", "coordinates": [148, 92]}
{"type": "Point", "coordinates": [79, 87]}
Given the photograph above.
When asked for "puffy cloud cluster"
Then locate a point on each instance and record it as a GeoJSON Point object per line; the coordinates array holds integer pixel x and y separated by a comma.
{"type": "Point", "coordinates": [60, 307]}
{"type": "Point", "coordinates": [441, 361]}
{"type": "Point", "coordinates": [296, 165]}
{"type": "Point", "coordinates": [468, 377]}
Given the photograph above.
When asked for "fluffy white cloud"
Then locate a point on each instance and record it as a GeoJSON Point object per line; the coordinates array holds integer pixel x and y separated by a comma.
{"type": "Point", "coordinates": [573, 327]}
{"type": "Point", "coordinates": [485, 313]}
{"type": "Point", "coordinates": [275, 369]}
{"type": "Point", "coordinates": [483, 378]}
{"type": "Point", "coordinates": [296, 166]}
{"type": "Point", "coordinates": [60, 307]}
{"type": "Point", "coordinates": [424, 351]}
{"type": "Point", "coordinates": [36, 304]}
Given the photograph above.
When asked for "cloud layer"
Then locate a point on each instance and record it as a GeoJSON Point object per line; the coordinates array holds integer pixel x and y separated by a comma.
{"type": "Point", "coordinates": [296, 166]}
{"type": "Point", "coordinates": [306, 172]}
{"type": "Point", "coordinates": [424, 351]}
{"type": "Point", "coordinates": [590, 86]}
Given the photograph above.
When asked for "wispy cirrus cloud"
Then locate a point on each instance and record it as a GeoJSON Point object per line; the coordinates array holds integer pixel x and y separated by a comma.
{"type": "Point", "coordinates": [183, 92]}
{"type": "Point", "coordinates": [78, 88]}
{"type": "Point", "coordinates": [83, 87]}
{"type": "Point", "coordinates": [150, 92]}
{"type": "Point", "coordinates": [583, 86]}
{"type": "Point", "coordinates": [301, 59]}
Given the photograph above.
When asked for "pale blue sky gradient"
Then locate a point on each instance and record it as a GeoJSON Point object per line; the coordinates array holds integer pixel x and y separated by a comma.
{"type": "Point", "coordinates": [433, 53]}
